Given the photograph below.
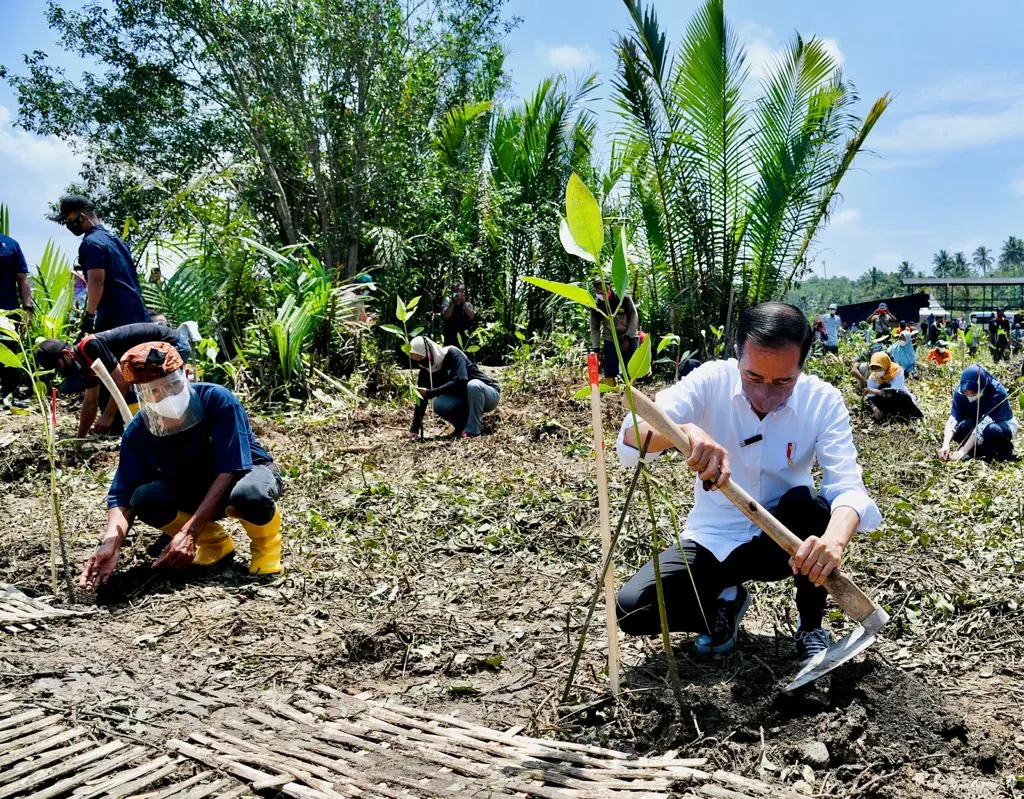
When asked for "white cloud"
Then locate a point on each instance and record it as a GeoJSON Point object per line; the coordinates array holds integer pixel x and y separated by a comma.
{"type": "Point", "coordinates": [763, 49]}
{"type": "Point", "coordinates": [567, 56]}
{"type": "Point", "coordinates": [831, 45]}
{"type": "Point", "coordinates": [848, 217]}
{"type": "Point", "coordinates": [966, 246]}
{"type": "Point", "coordinates": [886, 260]}
{"type": "Point", "coordinates": [966, 89]}
{"type": "Point", "coordinates": [49, 156]}
{"type": "Point", "coordinates": [952, 131]}
{"type": "Point", "coordinates": [36, 170]}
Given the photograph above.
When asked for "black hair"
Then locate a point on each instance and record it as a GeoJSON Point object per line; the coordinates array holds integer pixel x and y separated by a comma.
{"type": "Point", "coordinates": [774, 325]}
{"type": "Point", "coordinates": [49, 352]}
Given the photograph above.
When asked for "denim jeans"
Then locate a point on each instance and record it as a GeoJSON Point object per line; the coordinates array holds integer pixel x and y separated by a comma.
{"type": "Point", "coordinates": [465, 412]}
{"type": "Point", "coordinates": [611, 361]}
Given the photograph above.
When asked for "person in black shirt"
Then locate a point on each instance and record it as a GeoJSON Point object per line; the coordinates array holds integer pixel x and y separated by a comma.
{"type": "Point", "coordinates": [999, 335]}
{"type": "Point", "coordinates": [458, 316]}
{"type": "Point", "coordinates": [74, 363]}
{"type": "Point", "coordinates": [461, 393]}
{"type": "Point", "coordinates": [113, 295]}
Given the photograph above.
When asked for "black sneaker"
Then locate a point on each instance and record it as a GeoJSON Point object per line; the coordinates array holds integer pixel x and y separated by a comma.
{"type": "Point", "coordinates": [811, 642]}
{"type": "Point", "coordinates": [728, 615]}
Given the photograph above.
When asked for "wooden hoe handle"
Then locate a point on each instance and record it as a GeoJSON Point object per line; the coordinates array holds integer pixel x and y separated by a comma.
{"type": "Point", "coordinates": [854, 602]}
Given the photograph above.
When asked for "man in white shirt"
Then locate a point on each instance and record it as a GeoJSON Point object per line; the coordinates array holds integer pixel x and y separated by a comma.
{"type": "Point", "coordinates": [833, 324]}
{"type": "Point", "coordinates": [763, 422]}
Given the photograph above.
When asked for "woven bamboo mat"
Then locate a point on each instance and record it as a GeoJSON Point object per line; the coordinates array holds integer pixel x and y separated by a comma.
{"type": "Point", "coordinates": [326, 745]}
{"type": "Point", "coordinates": [19, 613]}
{"type": "Point", "coordinates": [44, 757]}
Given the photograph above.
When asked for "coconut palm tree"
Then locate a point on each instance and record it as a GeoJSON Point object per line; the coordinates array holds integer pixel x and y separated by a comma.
{"type": "Point", "coordinates": [942, 263]}
{"type": "Point", "coordinates": [961, 268]}
{"type": "Point", "coordinates": [982, 259]}
{"type": "Point", "coordinates": [905, 270]}
{"type": "Point", "coordinates": [732, 193]}
{"type": "Point", "coordinates": [1012, 256]}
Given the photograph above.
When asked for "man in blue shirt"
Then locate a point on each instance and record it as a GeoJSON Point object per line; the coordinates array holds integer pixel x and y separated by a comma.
{"type": "Point", "coordinates": [188, 459]}
{"type": "Point", "coordinates": [113, 296]}
{"type": "Point", "coordinates": [15, 293]}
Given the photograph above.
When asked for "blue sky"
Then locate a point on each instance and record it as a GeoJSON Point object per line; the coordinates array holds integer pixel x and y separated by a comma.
{"type": "Point", "coordinates": [947, 169]}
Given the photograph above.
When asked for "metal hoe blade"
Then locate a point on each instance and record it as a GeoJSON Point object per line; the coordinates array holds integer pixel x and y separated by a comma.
{"type": "Point", "coordinates": [841, 651]}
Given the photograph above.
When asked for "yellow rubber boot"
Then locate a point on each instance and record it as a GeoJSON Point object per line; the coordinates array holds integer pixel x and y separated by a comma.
{"type": "Point", "coordinates": [608, 381]}
{"type": "Point", "coordinates": [179, 521]}
{"type": "Point", "coordinates": [264, 543]}
{"type": "Point", "coordinates": [213, 544]}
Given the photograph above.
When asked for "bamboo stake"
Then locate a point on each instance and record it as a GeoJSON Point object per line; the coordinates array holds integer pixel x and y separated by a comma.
{"type": "Point", "coordinates": [100, 370]}
{"type": "Point", "coordinates": [611, 621]}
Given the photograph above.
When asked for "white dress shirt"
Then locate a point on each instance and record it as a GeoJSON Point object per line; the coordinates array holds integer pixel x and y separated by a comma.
{"type": "Point", "coordinates": [813, 424]}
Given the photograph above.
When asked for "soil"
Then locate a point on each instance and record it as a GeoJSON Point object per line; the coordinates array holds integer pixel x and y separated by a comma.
{"type": "Point", "coordinates": [456, 574]}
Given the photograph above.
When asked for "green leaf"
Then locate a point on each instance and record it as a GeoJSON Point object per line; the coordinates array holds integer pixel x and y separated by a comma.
{"type": "Point", "coordinates": [620, 272]}
{"type": "Point", "coordinates": [397, 331]}
{"type": "Point", "coordinates": [575, 293]}
{"type": "Point", "coordinates": [415, 332]}
{"type": "Point", "coordinates": [666, 340]}
{"type": "Point", "coordinates": [413, 303]}
{"type": "Point", "coordinates": [640, 362]}
{"type": "Point", "coordinates": [8, 358]}
{"type": "Point", "coordinates": [407, 348]}
{"type": "Point", "coordinates": [583, 214]}
{"type": "Point", "coordinates": [602, 388]}
{"type": "Point", "coordinates": [520, 336]}
{"type": "Point", "coordinates": [569, 243]}
{"type": "Point", "coordinates": [400, 310]}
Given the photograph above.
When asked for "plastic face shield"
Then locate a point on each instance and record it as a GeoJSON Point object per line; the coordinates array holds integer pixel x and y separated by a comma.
{"type": "Point", "coordinates": [169, 405]}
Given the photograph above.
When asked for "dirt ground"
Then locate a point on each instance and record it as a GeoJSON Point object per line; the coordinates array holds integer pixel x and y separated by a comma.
{"type": "Point", "coordinates": [456, 574]}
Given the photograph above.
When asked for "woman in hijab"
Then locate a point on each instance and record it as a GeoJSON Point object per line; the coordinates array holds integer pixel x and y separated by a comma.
{"type": "Point", "coordinates": [903, 353]}
{"type": "Point", "coordinates": [461, 393]}
{"type": "Point", "coordinates": [981, 420]}
{"type": "Point", "coordinates": [886, 393]}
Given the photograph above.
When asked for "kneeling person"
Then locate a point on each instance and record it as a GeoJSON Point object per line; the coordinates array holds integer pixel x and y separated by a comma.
{"type": "Point", "coordinates": [74, 364]}
{"type": "Point", "coordinates": [763, 421]}
{"type": "Point", "coordinates": [188, 459]}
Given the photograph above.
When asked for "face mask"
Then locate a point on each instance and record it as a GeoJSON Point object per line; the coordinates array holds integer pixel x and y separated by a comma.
{"type": "Point", "coordinates": [75, 226]}
{"type": "Point", "coordinates": [174, 406]}
{"type": "Point", "coordinates": [72, 368]}
{"type": "Point", "coordinates": [765, 398]}
{"type": "Point", "coordinates": [975, 398]}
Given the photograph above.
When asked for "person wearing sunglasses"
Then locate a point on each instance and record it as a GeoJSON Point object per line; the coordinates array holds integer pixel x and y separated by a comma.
{"type": "Point", "coordinates": [113, 296]}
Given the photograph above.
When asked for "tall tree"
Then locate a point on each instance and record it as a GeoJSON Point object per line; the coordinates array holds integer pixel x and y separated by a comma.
{"type": "Point", "coordinates": [942, 264]}
{"type": "Point", "coordinates": [322, 108]}
{"type": "Point", "coordinates": [1012, 256]}
{"type": "Point", "coordinates": [905, 270]}
{"type": "Point", "coordinates": [732, 193]}
{"type": "Point", "coordinates": [961, 267]}
{"type": "Point", "coordinates": [982, 259]}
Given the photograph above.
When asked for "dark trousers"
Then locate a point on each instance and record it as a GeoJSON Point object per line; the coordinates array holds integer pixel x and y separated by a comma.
{"type": "Point", "coordinates": [611, 360]}
{"type": "Point", "coordinates": [692, 578]}
{"type": "Point", "coordinates": [996, 443]}
{"type": "Point", "coordinates": [254, 498]}
{"type": "Point", "coordinates": [895, 404]}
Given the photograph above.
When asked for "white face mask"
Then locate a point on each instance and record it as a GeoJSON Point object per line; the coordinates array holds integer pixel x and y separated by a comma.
{"type": "Point", "coordinates": [975, 398]}
{"type": "Point", "coordinates": [174, 406]}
